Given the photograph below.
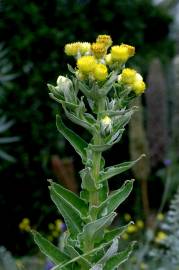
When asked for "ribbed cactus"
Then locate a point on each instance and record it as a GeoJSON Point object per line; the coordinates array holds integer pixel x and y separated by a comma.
{"type": "Point", "coordinates": [156, 113]}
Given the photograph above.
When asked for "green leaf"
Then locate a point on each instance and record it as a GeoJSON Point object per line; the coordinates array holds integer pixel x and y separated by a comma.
{"type": "Point", "coordinates": [116, 198]}
{"type": "Point", "coordinates": [87, 254]}
{"type": "Point", "coordinates": [108, 84]}
{"type": "Point", "coordinates": [110, 235]}
{"type": "Point", "coordinates": [72, 218]}
{"type": "Point", "coordinates": [110, 252]}
{"type": "Point", "coordinates": [68, 197]}
{"type": "Point", "coordinates": [117, 169]}
{"type": "Point", "coordinates": [51, 251]}
{"type": "Point", "coordinates": [74, 253]}
{"type": "Point", "coordinates": [115, 261]}
{"type": "Point", "coordinates": [75, 140]}
{"type": "Point", "coordinates": [88, 183]}
{"type": "Point", "coordinates": [93, 231]}
{"type": "Point", "coordinates": [79, 121]}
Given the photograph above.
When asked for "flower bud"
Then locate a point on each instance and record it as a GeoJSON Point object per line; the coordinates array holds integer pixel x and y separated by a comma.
{"type": "Point", "coordinates": [63, 84]}
{"type": "Point", "coordinates": [106, 125]}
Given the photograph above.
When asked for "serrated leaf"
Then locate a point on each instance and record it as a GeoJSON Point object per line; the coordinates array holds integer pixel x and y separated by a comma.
{"type": "Point", "coordinates": [71, 217]}
{"type": "Point", "coordinates": [115, 261]}
{"type": "Point", "coordinates": [75, 140]}
{"type": "Point", "coordinates": [51, 251]}
{"type": "Point", "coordinates": [94, 230]}
{"type": "Point", "coordinates": [116, 198]}
{"type": "Point", "coordinates": [117, 169]}
{"type": "Point", "coordinates": [69, 197]}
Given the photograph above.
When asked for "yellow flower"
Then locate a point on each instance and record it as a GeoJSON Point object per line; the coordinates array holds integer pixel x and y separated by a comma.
{"type": "Point", "coordinates": [138, 87]}
{"type": "Point", "coordinates": [24, 225]}
{"type": "Point", "coordinates": [125, 236]}
{"type": "Point", "coordinates": [131, 49]}
{"type": "Point", "coordinates": [98, 49]}
{"type": "Point", "coordinates": [72, 49]}
{"type": "Point", "coordinates": [160, 237]}
{"type": "Point", "coordinates": [51, 226]}
{"type": "Point", "coordinates": [128, 76]}
{"type": "Point", "coordinates": [132, 228]}
{"type": "Point", "coordinates": [160, 216]}
{"type": "Point", "coordinates": [127, 217]}
{"type": "Point", "coordinates": [122, 52]}
{"type": "Point", "coordinates": [140, 224]}
{"type": "Point", "coordinates": [86, 64]}
{"type": "Point", "coordinates": [58, 224]}
{"type": "Point", "coordinates": [106, 39]}
{"type": "Point", "coordinates": [108, 59]}
{"type": "Point", "coordinates": [100, 72]}
{"type": "Point", "coordinates": [84, 47]}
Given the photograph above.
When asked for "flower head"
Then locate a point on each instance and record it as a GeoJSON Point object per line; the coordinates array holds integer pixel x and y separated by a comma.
{"type": "Point", "coordinates": [128, 76]}
{"type": "Point", "coordinates": [106, 39]}
{"type": "Point", "coordinates": [100, 72]}
{"type": "Point", "coordinates": [86, 64]}
{"type": "Point", "coordinates": [71, 49]}
{"type": "Point", "coordinates": [122, 52]}
{"type": "Point", "coordinates": [138, 87]}
{"type": "Point", "coordinates": [98, 49]}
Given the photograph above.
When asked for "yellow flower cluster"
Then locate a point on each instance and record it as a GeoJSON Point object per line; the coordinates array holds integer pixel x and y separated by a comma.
{"type": "Point", "coordinates": [160, 237]}
{"type": "Point", "coordinates": [72, 49]}
{"type": "Point", "coordinates": [92, 59]}
{"type": "Point", "coordinates": [55, 229]}
{"type": "Point", "coordinates": [132, 228]}
{"type": "Point", "coordinates": [24, 225]}
{"type": "Point", "coordinates": [130, 78]}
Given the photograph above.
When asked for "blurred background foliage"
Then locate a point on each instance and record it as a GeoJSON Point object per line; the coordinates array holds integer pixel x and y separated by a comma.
{"type": "Point", "coordinates": [35, 33]}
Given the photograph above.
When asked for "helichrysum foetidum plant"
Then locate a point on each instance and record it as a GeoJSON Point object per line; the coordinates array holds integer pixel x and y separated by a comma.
{"type": "Point", "coordinates": [95, 96]}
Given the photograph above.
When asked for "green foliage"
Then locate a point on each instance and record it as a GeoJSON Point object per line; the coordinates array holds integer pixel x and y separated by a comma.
{"type": "Point", "coordinates": [91, 242]}
{"type": "Point", "coordinates": [35, 34]}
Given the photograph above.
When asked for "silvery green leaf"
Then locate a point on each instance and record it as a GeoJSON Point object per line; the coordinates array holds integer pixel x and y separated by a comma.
{"type": "Point", "coordinates": [69, 197]}
{"type": "Point", "coordinates": [51, 251]}
{"type": "Point", "coordinates": [69, 213]}
{"type": "Point", "coordinates": [112, 250]}
{"type": "Point", "coordinates": [115, 261]}
{"type": "Point", "coordinates": [108, 84]}
{"type": "Point", "coordinates": [94, 230]}
{"type": "Point", "coordinates": [88, 183]}
{"type": "Point", "coordinates": [117, 232]}
{"type": "Point", "coordinates": [73, 253]}
{"type": "Point", "coordinates": [71, 69]}
{"type": "Point", "coordinates": [55, 91]}
{"type": "Point", "coordinates": [97, 267]}
{"type": "Point", "coordinates": [92, 253]}
{"type": "Point", "coordinates": [75, 140]}
{"type": "Point", "coordinates": [117, 169]}
{"type": "Point", "coordinates": [116, 198]}
{"type": "Point", "coordinates": [9, 140]}
{"type": "Point", "coordinates": [78, 121]}
{"type": "Point", "coordinates": [84, 89]}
